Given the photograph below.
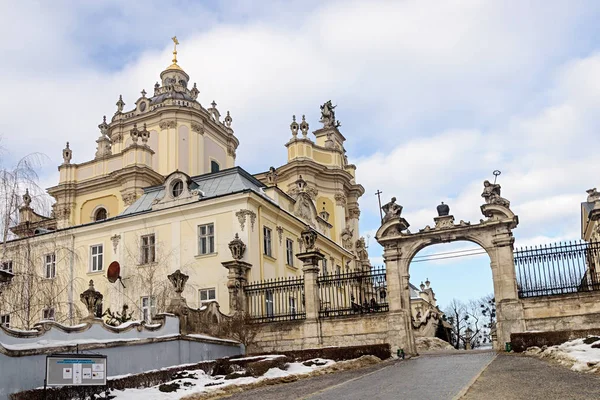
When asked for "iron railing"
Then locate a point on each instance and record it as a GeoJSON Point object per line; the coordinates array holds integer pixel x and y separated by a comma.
{"type": "Point", "coordinates": [276, 299]}
{"type": "Point", "coordinates": [557, 269]}
{"type": "Point", "coordinates": [353, 293]}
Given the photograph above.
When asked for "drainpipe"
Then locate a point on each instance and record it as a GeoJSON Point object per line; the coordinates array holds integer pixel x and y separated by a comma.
{"type": "Point", "coordinates": [260, 244]}
{"type": "Point", "coordinates": [72, 278]}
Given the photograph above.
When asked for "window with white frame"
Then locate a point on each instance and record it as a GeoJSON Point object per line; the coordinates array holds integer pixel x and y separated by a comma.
{"type": "Point", "coordinates": [269, 306]}
{"type": "Point", "coordinates": [289, 251]}
{"type": "Point", "coordinates": [206, 239]}
{"type": "Point", "coordinates": [324, 266]}
{"type": "Point", "coordinates": [207, 295]}
{"type": "Point", "coordinates": [50, 266]}
{"type": "Point", "coordinates": [5, 320]}
{"type": "Point", "coordinates": [148, 308]}
{"type": "Point", "coordinates": [267, 243]}
{"type": "Point", "coordinates": [96, 257]}
{"type": "Point", "coordinates": [148, 249]}
{"type": "Point", "coordinates": [7, 266]}
{"type": "Point", "coordinates": [48, 313]}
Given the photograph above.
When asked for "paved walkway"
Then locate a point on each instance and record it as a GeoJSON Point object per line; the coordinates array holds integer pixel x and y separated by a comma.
{"type": "Point", "coordinates": [429, 377]}
{"type": "Point", "coordinates": [516, 377]}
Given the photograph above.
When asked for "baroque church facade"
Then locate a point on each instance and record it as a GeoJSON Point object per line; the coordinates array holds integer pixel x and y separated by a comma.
{"type": "Point", "coordinates": [163, 193]}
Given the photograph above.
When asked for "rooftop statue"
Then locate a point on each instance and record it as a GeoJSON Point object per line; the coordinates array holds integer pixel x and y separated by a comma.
{"type": "Point", "coordinates": [491, 194]}
{"type": "Point", "coordinates": [328, 115]}
{"type": "Point", "coordinates": [391, 210]}
{"type": "Point", "coordinates": [593, 195]}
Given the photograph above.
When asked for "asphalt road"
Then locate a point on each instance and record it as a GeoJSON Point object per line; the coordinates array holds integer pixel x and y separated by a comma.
{"type": "Point", "coordinates": [429, 377]}
{"type": "Point", "coordinates": [517, 377]}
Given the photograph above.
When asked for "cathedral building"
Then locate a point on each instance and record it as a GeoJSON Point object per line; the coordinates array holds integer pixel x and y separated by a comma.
{"type": "Point", "coordinates": [163, 193]}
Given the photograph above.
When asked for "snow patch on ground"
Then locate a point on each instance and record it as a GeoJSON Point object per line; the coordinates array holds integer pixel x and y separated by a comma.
{"type": "Point", "coordinates": [432, 343]}
{"type": "Point", "coordinates": [578, 354]}
{"type": "Point", "coordinates": [198, 382]}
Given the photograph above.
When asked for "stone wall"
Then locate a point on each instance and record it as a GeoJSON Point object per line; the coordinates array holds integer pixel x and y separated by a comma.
{"type": "Point", "coordinates": [365, 329]}
{"type": "Point", "coordinates": [521, 341]}
{"type": "Point", "coordinates": [132, 348]}
{"type": "Point", "coordinates": [565, 312]}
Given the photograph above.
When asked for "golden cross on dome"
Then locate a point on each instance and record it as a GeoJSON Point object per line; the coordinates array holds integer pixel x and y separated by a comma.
{"type": "Point", "coordinates": [176, 42]}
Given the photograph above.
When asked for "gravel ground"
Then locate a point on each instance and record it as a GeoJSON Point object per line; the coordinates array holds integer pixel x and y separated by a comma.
{"type": "Point", "coordinates": [515, 377]}
{"type": "Point", "coordinates": [431, 377]}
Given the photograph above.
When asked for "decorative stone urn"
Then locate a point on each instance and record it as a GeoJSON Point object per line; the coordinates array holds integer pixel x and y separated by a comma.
{"type": "Point", "coordinates": [92, 299]}
{"type": "Point", "coordinates": [237, 248]}
{"type": "Point", "coordinates": [443, 210]}
{"type": "Point", "coordinates": [178, 280]}
{"type": "Point", "coordinates": [309, 238]}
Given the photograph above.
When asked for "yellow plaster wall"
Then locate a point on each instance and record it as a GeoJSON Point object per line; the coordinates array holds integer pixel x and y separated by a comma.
{"type": "Point", "coordinates": [86, 204]}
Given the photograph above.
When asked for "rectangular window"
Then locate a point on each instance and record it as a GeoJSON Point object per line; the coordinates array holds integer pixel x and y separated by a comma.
{"type": "Point", "coordinates": [50, 266]}
{"type": "Point", "coordinates": [289, 250]}
{"type": "Point", "coordinates": [96, 256]}
{"type": "Point", "coordinates": [269, 303]}
{"type": "Point", "coordinates": [6, 266]}
{"type": "Point", "coordinates": [206, 239]}
{"type": "Point", "coordinates": [208, 295]}
{"type": "Point", "coordinates": [267, 241]}
{"type": "Point", "coordinates": [5, 320]}
{"type": "Point", "coordinates": [148, 249]}
{"type": "Point", "coordinates": [148, 308]}
{"type": "Point", "coordinates": [324, 266]}
{"type": "Point", "coordinates": [48, 313]}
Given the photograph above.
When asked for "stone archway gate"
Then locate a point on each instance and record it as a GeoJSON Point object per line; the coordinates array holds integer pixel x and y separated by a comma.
{"type": "Point", "coordinates": [493, 234]}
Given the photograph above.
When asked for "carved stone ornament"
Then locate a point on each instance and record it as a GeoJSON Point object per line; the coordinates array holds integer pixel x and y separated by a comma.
{"type": "Point", "coordinates": [167, 124]}
{"type": "Point", "coordinates": [196, 127]}
{"type": "Point", "coordinates": [294, 127]}
{"type": "Point", "coordinates": [309, 238]}
{"type": "Point", "coordinates": [361, 250]}
{"type": "Point", "coordinates": [129, 198]}
{"type": "Point", "coordinates": [227, 120]}
{"type": "Point", "coordinates": [391, 210]}
{"type": "Point", "coordinates": [92, 299]}
{"type": "Point", "coordinates": [304, 127]}
{"type": "Point", "coordinates": [67, 154]}
{"type": "Point", "coordinates": [280, 233]}
{"type": "Point", "coordinates": [178, 280]}
{"type": "Point", "coordinates": [135, 134]}
{"type": "Point", "coordinates": [231, 149]}
{"type": "Point", "coordinates": [272, 176]}
{"type": "Point", "coordinates": [346, 236]}
{"type": "Point", "coordinates": [340, 199]}
{"type": "Point", "coordinates": [354, 213]}
{"type": "Point", "coordinates": [242, 214]}
{"type": "Point", "coordinates": [115, 242]}
{"type": "Point", "coordinates": [26, 199]}
{"type": "Point", "coordinates": [491, 194]}
{"type": "Point", "coordinates": [444, 222]}
{"type": "Point", "coordinates": [593, 195]}
{"type": "Point", "coordinates": [237, 248]}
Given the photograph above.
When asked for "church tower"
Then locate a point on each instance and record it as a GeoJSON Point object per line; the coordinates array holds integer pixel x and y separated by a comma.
{"type": "Point", "coordinates": [319, 169]}
{"type": "Point", "coordinates": [166, 132]}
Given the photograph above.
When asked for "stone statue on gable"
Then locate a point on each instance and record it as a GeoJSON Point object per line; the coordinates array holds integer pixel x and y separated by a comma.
{"type": "Point", "coordinates": [391, 210]}
{"type": "Point", "coordinates": [328, 115]}
{"type": "Point", "coordinates": [491, 194]}
{"type": "Point", "coordinates": [593, 195]}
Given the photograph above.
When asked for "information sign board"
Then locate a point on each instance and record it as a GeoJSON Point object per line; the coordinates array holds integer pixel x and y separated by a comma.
{"type": "Point", "coordinates": [75, 370]}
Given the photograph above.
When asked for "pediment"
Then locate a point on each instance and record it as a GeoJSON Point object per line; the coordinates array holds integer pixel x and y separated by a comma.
{"type": "Point", "coordinates": [178, 188]}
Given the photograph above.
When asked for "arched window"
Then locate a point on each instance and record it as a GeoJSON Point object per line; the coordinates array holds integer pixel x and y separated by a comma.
{"type": "Point", "coordinates": [177, 188]}
{"type": "Point", "coordinates": [214, 166]}
{"type": "Point", "coordinates": [100, 214]}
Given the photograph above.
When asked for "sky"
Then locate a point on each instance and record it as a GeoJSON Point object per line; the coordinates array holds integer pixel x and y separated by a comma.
{"type": "Point", "coordinates": [432, 96]}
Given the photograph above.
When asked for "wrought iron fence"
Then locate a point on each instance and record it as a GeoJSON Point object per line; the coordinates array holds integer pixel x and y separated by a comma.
{"type": "Point", "coordinates": [352, 293]}
{"type": "Point", "coordinates": [276, 299]}
{"type": "Point", "coordinates": [557, 269]}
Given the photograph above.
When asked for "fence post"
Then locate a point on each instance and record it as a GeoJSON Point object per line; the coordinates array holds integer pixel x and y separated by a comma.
{"type": "Point", "coordinates": [310, 259]}
{"type": "Point", "coordinates": [236, 279]}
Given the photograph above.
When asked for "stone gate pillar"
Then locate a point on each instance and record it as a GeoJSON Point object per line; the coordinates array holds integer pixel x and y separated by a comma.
{"type": "Point", "coordinates": [237, 277]}
{"type": "Point", "coordinates": [310, 259]}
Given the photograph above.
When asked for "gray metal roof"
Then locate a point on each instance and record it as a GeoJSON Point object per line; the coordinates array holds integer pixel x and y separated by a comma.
{"type": "Point", "coordinates": [414, 291]}
{"type": "Point", "coordinates": [228, 181]}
